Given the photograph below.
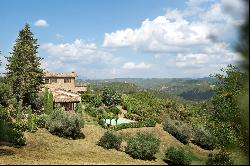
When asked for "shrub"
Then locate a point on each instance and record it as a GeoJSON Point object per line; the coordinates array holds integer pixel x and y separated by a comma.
{"type": "Point", "coordinates": [221, 158]}
{"type": "Point", "coordinates": [110, 97]}
{"type": "Point", "coordinates": [64, 124]}
{"type": "Point", "coordinates": [10, 131]}
{"type": "Point", "coordinates": [177, 156]}
{"type": "Point", "coordinates": [42, 120]}
{"type": "Point", "coordinates": [102, 123]}
{"type": "Point", "coordinates": [16, 137]}
{"type": "Point", "coordinates": [143, 146]}
{"type": "Point", "coordinates": [110, 141]}
{"type": "Point", "coordinates": [79, 108]}
{"type": "Point", "coordinates": [93, 99]}
{"type": "Point", "coordinates": [91, 111]}
{"type": "Point", "coordinates": [114, 110]}
{"type": "Point", "coordinates": [133, 117]}
{"type": "Point", "coordinates": [146, 123]}
{"type": "Point", "coordinates": [178, 129]}
{"type": "Point", "coordinates": [203, 139]}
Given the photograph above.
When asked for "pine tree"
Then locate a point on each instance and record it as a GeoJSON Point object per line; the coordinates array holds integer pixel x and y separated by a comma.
{"type": "Point", "coordinates": [23, 69]}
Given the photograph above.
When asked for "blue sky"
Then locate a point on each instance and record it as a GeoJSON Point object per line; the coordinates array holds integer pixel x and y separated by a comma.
{"type": "Point", "coordinates": [127, 38]}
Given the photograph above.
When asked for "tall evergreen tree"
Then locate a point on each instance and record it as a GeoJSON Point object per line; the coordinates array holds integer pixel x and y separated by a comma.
{"type": "Point", "coordinates": [23, 69]}
{"type": "Point", "coordinates": [45, 100]}
{"type": "Point", "coordinates": [50, 103]}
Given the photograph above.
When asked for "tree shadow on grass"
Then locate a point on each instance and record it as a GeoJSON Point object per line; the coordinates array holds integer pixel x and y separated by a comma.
{"type": "Point", "coordinates": [4, 152]}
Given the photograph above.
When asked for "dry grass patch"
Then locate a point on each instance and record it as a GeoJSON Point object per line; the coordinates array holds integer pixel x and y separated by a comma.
{"type": "Point", "coordinates": [45, 148]}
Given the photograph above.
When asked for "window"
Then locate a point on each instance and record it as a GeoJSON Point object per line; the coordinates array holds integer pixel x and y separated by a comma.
{"type": "Point", "coordinates": [46, 80]}
{"type": "Point", "coordinates": [67, 80]}
{"type": "Point", "coordinates": [53, 80]}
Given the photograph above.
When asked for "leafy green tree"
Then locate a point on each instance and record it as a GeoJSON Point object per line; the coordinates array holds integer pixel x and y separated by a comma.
{"type": "Point", "coordinates": [110, 97]}
{"type": "Point", "coordinates": [23, 69]}
{"type": "Point", "coordinates": [225, 119]}
{"type": "Point", "coordinates": [243, 48]}
{"type": "Point", "coordinates": [5, 92]}
{"type": "Point", "coordinates": [114, 110]}
{"type": "Point", "coordinates": [79, 108]}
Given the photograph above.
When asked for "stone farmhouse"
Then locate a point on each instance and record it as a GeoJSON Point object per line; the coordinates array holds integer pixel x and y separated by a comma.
{"type": "Point", "coordinates": [64, 89]}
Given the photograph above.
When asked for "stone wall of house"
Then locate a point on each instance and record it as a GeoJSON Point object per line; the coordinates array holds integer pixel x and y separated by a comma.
{"type": "Point", "coordinates": [60, 84]}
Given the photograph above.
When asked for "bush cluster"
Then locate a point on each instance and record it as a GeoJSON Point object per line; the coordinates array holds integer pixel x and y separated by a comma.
{"type": "Point", "coordinates": [114, 110]}
{"type": "Point", "coordinates": [146, 123]}
{"type": "Point", "coordinates": [143, 146]}
{"type": "Point", "coordinates": [64, 124]}
{"type": "Point", "coordinates": [91, 111]}
{"type": "Point", "coordinates": [92, 99]}
{"type": "Point", "coordinates": [110, 140]}
{"type": "Point", "coordinates": [220, 158]}
{"type": "Point", "coordinates": [10, 131]}
{"type": "Point", "coordinates": [203, 139]}
{"type": "Point", "coordinates": [41, 120]}
{"type": "Point", "coordinates": [102, 123]}
{"type": "Point", "coordinates": [178, 129]}
{"type": "Point", "coordinates": [134, 117]}
{"type": "Point", "coordinates": [177, 156]}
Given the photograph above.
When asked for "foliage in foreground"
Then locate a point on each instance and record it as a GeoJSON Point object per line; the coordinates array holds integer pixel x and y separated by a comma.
{"type": "Point", "coordinates": [226, 115]}
{"type": "Point", "coordinates": [177, 156]}
{"type": "Point", "coordinates": [203, 139]}
{"type": "Point", "coordinates": [221, 158]}
{"type": "Point", "coordinates": [177, 129]}
{"type": "Point", "coordinates": [10, 131]}
{"type": "Point", "coordinates": [143, 146]}
{"type": "Point", "coordinates": [64, 124]}
{"type": "Point", "coordinates": [110, 140]}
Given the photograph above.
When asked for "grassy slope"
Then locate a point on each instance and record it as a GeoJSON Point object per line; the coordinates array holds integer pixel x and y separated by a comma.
{"type": "Point", "coordinates": [45, 148]}
{"type": "Point", "coordinates": [167, 140]}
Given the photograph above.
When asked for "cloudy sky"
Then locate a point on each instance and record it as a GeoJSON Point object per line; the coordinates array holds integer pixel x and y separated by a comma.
{"type": "Point", "coordinates": [128, 38]}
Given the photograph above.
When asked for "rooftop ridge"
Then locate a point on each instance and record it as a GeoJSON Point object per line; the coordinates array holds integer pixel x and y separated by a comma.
{"type": "Point", "coordinates": [58, 74]}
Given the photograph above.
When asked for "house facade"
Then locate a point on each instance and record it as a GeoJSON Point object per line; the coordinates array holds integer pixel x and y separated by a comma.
{"type": "Point", "coordinates": [63, 88]}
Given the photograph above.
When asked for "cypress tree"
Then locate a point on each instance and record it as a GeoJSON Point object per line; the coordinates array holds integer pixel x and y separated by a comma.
{"type": "Point", "coordinates": [45, 100]}
{"type": "Point", "coordinates": [50, 103]}
{"type": "Point", "coordinates": [19, 111]}
{"type": "Point", "coordinates": [23, 69]}
{"type": "Point", "coordinates": [30, 120]}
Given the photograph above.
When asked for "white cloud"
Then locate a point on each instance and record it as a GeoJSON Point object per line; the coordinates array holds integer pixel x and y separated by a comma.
{"type": "Point", "coordinates": [41, 23]}
{"type": "Point", "coordinates": [84, 57]}
{"type": "Point", "coordinates": [80, 50]}
{"type": "Point", "coordinates": [195, 37]}
{"type": "Point", "coordinates": [132, 65]}
{"type": "Point", "coordinates": [170, 33]}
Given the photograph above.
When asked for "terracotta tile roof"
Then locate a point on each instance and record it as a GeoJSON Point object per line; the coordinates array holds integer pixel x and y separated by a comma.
{"type": "Point", "coordinates": [53, 74]}
{"type": "Point", "coordinates": [60, 95]}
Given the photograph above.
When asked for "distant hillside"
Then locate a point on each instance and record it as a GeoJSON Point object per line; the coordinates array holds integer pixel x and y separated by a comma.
{"type": "Point", "coordinates": [187, 88]}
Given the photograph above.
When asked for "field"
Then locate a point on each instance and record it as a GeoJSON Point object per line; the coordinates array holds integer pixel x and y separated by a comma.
{"type": "Point", "coordinates": [45, 148]}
